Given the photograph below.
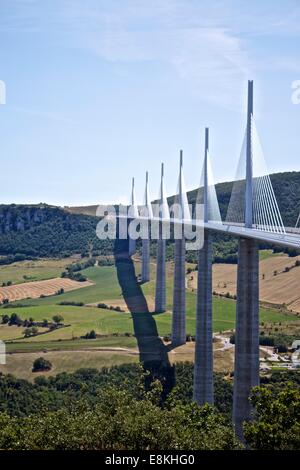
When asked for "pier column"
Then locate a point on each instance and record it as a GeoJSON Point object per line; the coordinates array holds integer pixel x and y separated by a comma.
{"type": "Point", "coordinates": [246, 367]}
{"type": "Point", "coordinates": [145, 275]}
{"type": "Point", "coordinates": [178, 323]}
{"type": "Point", "coordinates": [203, 368]}
{"type": "Point", "coordinates": [160, 292]}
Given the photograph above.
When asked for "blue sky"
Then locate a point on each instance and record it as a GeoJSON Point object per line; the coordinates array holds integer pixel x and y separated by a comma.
{"type": "Point", "coordinates": [100, 91]}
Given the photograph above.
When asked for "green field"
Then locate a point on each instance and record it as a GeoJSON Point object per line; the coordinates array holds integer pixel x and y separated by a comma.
{"type": "Point", "coordinates": [264, 254]}
{"type": "Point", "coordinates": [122, 336]}
{"type": "Point", "coordinates": [35, 270]}
{"type": "Point", "coordinates": [106, 322]}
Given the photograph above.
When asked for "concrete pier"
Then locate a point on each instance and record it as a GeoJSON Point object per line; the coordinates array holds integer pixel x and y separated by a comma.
{"type": "Point", "coordinates": [145, 275]}
{"type": "Point", "coordinates": [203, 368]}
{"type": "Point", "coordinates": [246, 369]}
{"type": "Point", "coordinates": [178, 319]}
{"type": "Point", "coordinates": [160, 291]}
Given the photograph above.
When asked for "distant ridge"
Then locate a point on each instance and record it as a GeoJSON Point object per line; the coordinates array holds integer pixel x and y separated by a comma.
{"type": "Point", "coordinates": [286, 187]}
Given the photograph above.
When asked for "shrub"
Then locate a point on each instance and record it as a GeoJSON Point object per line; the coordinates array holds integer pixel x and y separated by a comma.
{"type": "Point", "coordinates": [91, 335]}
{"type": "Point", "coordinates": [5, 319]}
{"type": "Point", "coordinates": [41, 364]}
{"type": "Point", "coordinates": [15, 320]}
{"type": "Point", "coordinates": [69, 302]}
{"type": "Point", "coordinates": [33, 331]}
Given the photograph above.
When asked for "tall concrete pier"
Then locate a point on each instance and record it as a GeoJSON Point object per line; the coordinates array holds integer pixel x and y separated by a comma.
{"type": "Point", "coordinates": [246, 368]}
{"type": "Point", "coordinates": [145, 275]}
{"type": "Point", "coordinates": [203, 368]}
{"type": "Point", "coordinates": [133, 214]}
{"type": "Point", "coordinates": [160, 292]}
{"type": "Point", "coordinates": [178, 319]}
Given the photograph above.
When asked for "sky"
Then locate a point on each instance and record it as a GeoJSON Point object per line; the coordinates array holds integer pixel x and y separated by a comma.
{"type": "Point", "coordinates": [99, 91]}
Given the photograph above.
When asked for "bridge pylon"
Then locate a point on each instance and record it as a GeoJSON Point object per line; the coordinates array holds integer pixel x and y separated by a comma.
{"type": "Point", "coordinates": [133, 215]}
{"type": "Point", "coordinates": [203, 368]}
{"type": "Point", "coordinates": [246, 366]}
{"type": "Point", "coordinates": [179, 304]}
{"type": "Point", "coordinates": [160, 289]}
{"type": "Point", "coordinates": [145, 275]}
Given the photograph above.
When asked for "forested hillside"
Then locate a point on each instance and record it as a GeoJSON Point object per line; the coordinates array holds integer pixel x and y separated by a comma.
{"type": "Point", "coordinates": [42, 230]}
{"type": "Point", "coordinates": [133, 408]}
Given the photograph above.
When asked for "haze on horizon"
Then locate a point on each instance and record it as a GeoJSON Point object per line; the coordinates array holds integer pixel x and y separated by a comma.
{"type": "Point", "coordinates": [100, 91]}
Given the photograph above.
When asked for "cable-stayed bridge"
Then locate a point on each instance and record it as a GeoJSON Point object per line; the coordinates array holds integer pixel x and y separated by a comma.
{"type": "Point", "coordinates": [253, 216]}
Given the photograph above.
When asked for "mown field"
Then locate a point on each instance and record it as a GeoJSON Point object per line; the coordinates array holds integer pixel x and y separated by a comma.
{"type": "Point", "coordinates": [279, 279]}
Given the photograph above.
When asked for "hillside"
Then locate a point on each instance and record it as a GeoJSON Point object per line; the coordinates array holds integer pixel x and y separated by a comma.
{"type": "Point", "coordinates": [286, 188]}
{"type": "Point", "coordinates": [42, 230]}
{"type": "Point", "coordinates": [46, 231]}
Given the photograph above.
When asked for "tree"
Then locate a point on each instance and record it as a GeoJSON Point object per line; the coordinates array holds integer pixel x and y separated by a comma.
{"type": "Point", "coordinates": [277, 426]}
{"type": "Point", "coordinates": [15, 319]}
{"type": "Point", "coordinates": [30, 331]}
{"type": "Point", "coordinates": [58, 319]}
{"type": "Point", "coordinates": [41, 364]}
{"type": "Point", "coordinates": [5, 319]}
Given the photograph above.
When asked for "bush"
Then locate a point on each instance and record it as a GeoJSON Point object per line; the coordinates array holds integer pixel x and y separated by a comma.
{"type": "Point", "coordinates": [58, 319]}
{"type": "Point", "coordinates": [41, 364]}
{"type": "Point", "coordinates": [15, 320]}
{"type": "Point", "coordinates": [69, 302]}
{"type": "Point", "coordinates": [33, 331]}
{"type": "Point", "coordinates": [91, 335]}
{"type": "Point", "coordinates": [5, 319]}
{"type": "Point", "coordinates": [60, 291]}
{"type": "Point", "coordinates": [102, 305]}
{"type": "Point", "coordinates": [78, 277]}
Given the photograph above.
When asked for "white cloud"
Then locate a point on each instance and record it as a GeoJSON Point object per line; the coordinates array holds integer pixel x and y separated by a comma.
{"type": "Point", "coordinates": [210, 46]}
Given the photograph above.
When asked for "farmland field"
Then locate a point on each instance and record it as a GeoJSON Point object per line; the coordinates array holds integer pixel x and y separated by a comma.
{"type": "Point", "coordinates": [36, 289]}
{"type": "Point", "coordinates": [126, 329]}
{"type": "Point", "coordinates": [33, 270]}
{"type": "Point", "coordinates": [279, 280]}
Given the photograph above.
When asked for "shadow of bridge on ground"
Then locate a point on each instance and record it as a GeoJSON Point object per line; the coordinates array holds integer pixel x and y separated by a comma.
{"type": "Point", "coordinates": [153, 352]}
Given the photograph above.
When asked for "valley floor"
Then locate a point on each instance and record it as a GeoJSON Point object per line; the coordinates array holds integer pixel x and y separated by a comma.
{"type": "Point", "coordinates": [134, 333]}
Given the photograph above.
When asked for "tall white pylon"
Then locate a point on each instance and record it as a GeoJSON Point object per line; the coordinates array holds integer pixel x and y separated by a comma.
{"type": "Point", "coordinates": [203, 369]}
{"type": "Point", "coordinates": [145, 275]}
{"type": "Point", "coordinates": [133, 213]}
{"type": "Point", "coordinates": [178, 319]}
{"type": "Point", "coordinates": [246, 366]}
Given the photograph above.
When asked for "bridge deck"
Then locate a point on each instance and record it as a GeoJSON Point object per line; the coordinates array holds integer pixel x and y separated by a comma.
{"type": "Point", "coordinates": [290, 240]}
